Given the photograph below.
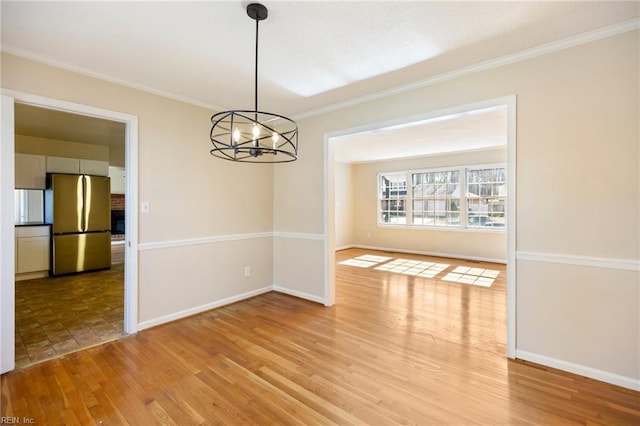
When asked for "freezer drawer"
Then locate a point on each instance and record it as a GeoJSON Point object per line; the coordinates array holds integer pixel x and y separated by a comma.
{"type": "Point", "coordinates": [80, 252]}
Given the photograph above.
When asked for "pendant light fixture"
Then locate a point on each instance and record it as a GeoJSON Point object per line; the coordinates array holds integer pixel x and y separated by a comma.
{"type": "Point", "coordinates": [254, 136]}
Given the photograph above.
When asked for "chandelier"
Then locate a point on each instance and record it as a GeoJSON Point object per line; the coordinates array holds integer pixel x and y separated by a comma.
{"type": "Point", "coordinates": [254, 136]}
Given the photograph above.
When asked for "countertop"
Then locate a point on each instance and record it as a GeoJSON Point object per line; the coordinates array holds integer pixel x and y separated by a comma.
{"type": "Point", "coordinates": [33, 224]}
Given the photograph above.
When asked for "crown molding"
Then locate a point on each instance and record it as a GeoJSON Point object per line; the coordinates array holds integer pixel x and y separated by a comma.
{"type": "Point", "coordinates": [584, 38]}
{"type": "Point", "coordinates": [588, 37]}
{"type": "Point", "coordinates": [78, 70]}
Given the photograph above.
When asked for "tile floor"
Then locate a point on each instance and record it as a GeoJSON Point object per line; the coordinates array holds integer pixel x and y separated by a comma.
{"type": "Point", "coordinates": [58, 315]}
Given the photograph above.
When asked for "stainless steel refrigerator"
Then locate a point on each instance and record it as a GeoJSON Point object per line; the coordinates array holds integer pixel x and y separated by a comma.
{"type": "Point", "coordinates": [78, 207]}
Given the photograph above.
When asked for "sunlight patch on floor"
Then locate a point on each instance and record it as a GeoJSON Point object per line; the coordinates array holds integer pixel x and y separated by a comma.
{"type": "Point", "coordinates": [365, 261]}
{"type": "Point", "coordinates": [475, 276]}
{"type": "Point", "coordinates": [414, 267]}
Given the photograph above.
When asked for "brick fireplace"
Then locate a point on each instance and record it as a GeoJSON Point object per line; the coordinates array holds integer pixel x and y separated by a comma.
{"type": "Point", "coordinates": [117, 217]}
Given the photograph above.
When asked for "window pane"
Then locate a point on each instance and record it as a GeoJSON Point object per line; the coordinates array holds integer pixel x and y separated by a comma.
{"type": "Point", "coordinates": [453, 219]}
{"type": "Point", "coordinates": [392, 197]}
{"type": "Point", "coordinates": [435, 195]}
{"type": "Point", "coordinates": [486, 197]}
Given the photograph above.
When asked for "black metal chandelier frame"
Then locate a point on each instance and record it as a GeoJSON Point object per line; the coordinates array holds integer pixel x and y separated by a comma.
{"type": "Point", "coordinates": [254, 136]}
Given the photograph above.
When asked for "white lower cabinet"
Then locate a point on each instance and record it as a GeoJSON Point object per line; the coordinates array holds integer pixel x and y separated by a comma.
{"type": "Point", "coordinates": [32, 249]}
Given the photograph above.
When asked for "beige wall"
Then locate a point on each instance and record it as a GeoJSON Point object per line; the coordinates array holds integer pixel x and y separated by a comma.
{"type": "Point", "coordinates": [345, 203]}
{"type": "Point", "coordinates": [475, 244]}
{"type": "Point", "coordinates": [578, 196]}
{"type": "Point", "coordinates": [193, 196]}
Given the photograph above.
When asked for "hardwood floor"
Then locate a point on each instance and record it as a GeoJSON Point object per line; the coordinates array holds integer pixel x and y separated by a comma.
{"type": "Point", "coordinates": [396, 348]}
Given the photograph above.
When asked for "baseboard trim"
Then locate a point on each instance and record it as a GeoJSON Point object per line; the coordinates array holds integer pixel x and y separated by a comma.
{"type": "Point", "coordinates": [31, 275]}
{"type": "Point", "coordinates": [569, 259]}
{"type": "Point", "coordinates": [202, 308]}
{"type": "Point", "coordinates": [429, 253]}
{"type": "Point", "coordinates": [582, 370]}
{"type": "Point", "coordinates": [344, 247]}
{"type": "Point", "coordinates": [299, 294]}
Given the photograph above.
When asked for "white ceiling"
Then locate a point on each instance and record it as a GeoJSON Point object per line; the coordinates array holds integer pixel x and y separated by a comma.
{"type": "Point", "coordinates": [313, 54]}
{"type": "Point", "coordinates": [468, 131]}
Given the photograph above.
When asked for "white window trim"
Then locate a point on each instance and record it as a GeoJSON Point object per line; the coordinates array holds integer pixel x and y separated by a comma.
{"type": "Point", "coordinates": [378, 199]}
{"type": "Point", "coordinates": [463, 227]}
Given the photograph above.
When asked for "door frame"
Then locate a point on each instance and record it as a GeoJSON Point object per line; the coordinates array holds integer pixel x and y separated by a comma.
{"type": "Point", "coordinates": [329, 200]}
{"type": "Point", "coordinates": [7, 229]}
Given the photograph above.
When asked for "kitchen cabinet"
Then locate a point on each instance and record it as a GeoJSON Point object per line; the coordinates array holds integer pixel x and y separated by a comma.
{"type": "Point", "coordinates": [94, 167]}
{"type": "Point", "coordinates": [77, 166]}
{"type": "Point", "coordinates": [63, 165]}
{"type": "Point", "coordinates": [32, 250]}
{"type": "Point", "coordinates": [30, 171]}
{"type": "Point", "coordinates": [118, 180]}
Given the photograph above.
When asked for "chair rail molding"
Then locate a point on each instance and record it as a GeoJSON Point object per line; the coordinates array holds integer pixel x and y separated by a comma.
{"type": "Point", "coordinates": [570, 259]}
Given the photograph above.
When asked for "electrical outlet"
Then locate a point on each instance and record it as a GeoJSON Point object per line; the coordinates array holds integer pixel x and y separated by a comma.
{"type": "Point", "coordinates": [247, 271]}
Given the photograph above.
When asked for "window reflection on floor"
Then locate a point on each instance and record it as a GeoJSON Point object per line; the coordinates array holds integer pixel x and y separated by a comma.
{"type": "Point", "coordinates": [461, 274]}
{"type": "Point", "coordinates": [474, 276]}
{"type": "Point", "coordinates": [414, 267]}
{"type": "Point", "coordinates": [365, 261]}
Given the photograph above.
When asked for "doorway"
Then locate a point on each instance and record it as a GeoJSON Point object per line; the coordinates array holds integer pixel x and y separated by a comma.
{"type": "Point", "coordinates": [7, 232]}
{"type": "Point", "coordinates": [331, 167]}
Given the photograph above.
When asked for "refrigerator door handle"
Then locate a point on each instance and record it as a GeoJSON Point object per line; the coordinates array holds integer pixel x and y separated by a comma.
{"type": "Point", "coordinates": [86, 194]}
{"type": "Point", "coordinates": [80, 203]}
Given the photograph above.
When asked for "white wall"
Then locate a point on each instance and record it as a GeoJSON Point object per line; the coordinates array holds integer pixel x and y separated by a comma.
{"type": "Point", "coordinates": [578, 197]}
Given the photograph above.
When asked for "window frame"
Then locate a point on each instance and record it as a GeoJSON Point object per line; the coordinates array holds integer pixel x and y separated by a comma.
{"type": "Point", "coordinates": [379, 198]}
{"type": "Point", "coordinates": [463, 185]}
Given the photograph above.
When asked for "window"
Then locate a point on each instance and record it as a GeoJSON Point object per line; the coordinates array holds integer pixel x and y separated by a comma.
{"type": "Point", "coordinates": [29, 206]}
{"type": "Point", "coordinates": [436, 198]}
{"type": "Point", "coordinates": [460, 197]}
{"type": "Point", "coordinates": [393, 198]}
{"type": "Point", "coordinates": [486, 197]}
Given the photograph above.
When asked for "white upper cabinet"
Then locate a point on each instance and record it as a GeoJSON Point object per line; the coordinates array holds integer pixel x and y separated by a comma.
{"type": "Point", "coordinates": [94, 167]}
{"type": "Point", "coordinates": [76, 166]}
{"type": "Point", "coordinates": [63, 165]}
{"type": "Point", "coordinates": [30, 171]}
{"type": "Point", "coordinates": [118, 180]}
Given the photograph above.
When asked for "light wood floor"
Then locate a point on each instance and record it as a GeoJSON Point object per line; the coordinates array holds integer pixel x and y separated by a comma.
{"type": "Point", "coordinates": [396, 349]}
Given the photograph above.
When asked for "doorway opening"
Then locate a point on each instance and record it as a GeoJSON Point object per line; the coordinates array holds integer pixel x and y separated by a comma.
{"type": "Point", "coordinates": [449, 144]}
{"type": "Point", "coordinates": [61, 314]}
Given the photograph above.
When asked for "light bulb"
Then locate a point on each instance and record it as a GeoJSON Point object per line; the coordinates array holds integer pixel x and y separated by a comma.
{"type": "Point", "coordinates": [256, 134]}
{"type": "Point", "coordinates": [274, 137]}
{"type": "Point", "coordinates": [236, 135]}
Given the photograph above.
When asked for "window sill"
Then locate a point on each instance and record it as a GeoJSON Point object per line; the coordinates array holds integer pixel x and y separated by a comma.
{"type": "Point", "coordinates": [488, 230]}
